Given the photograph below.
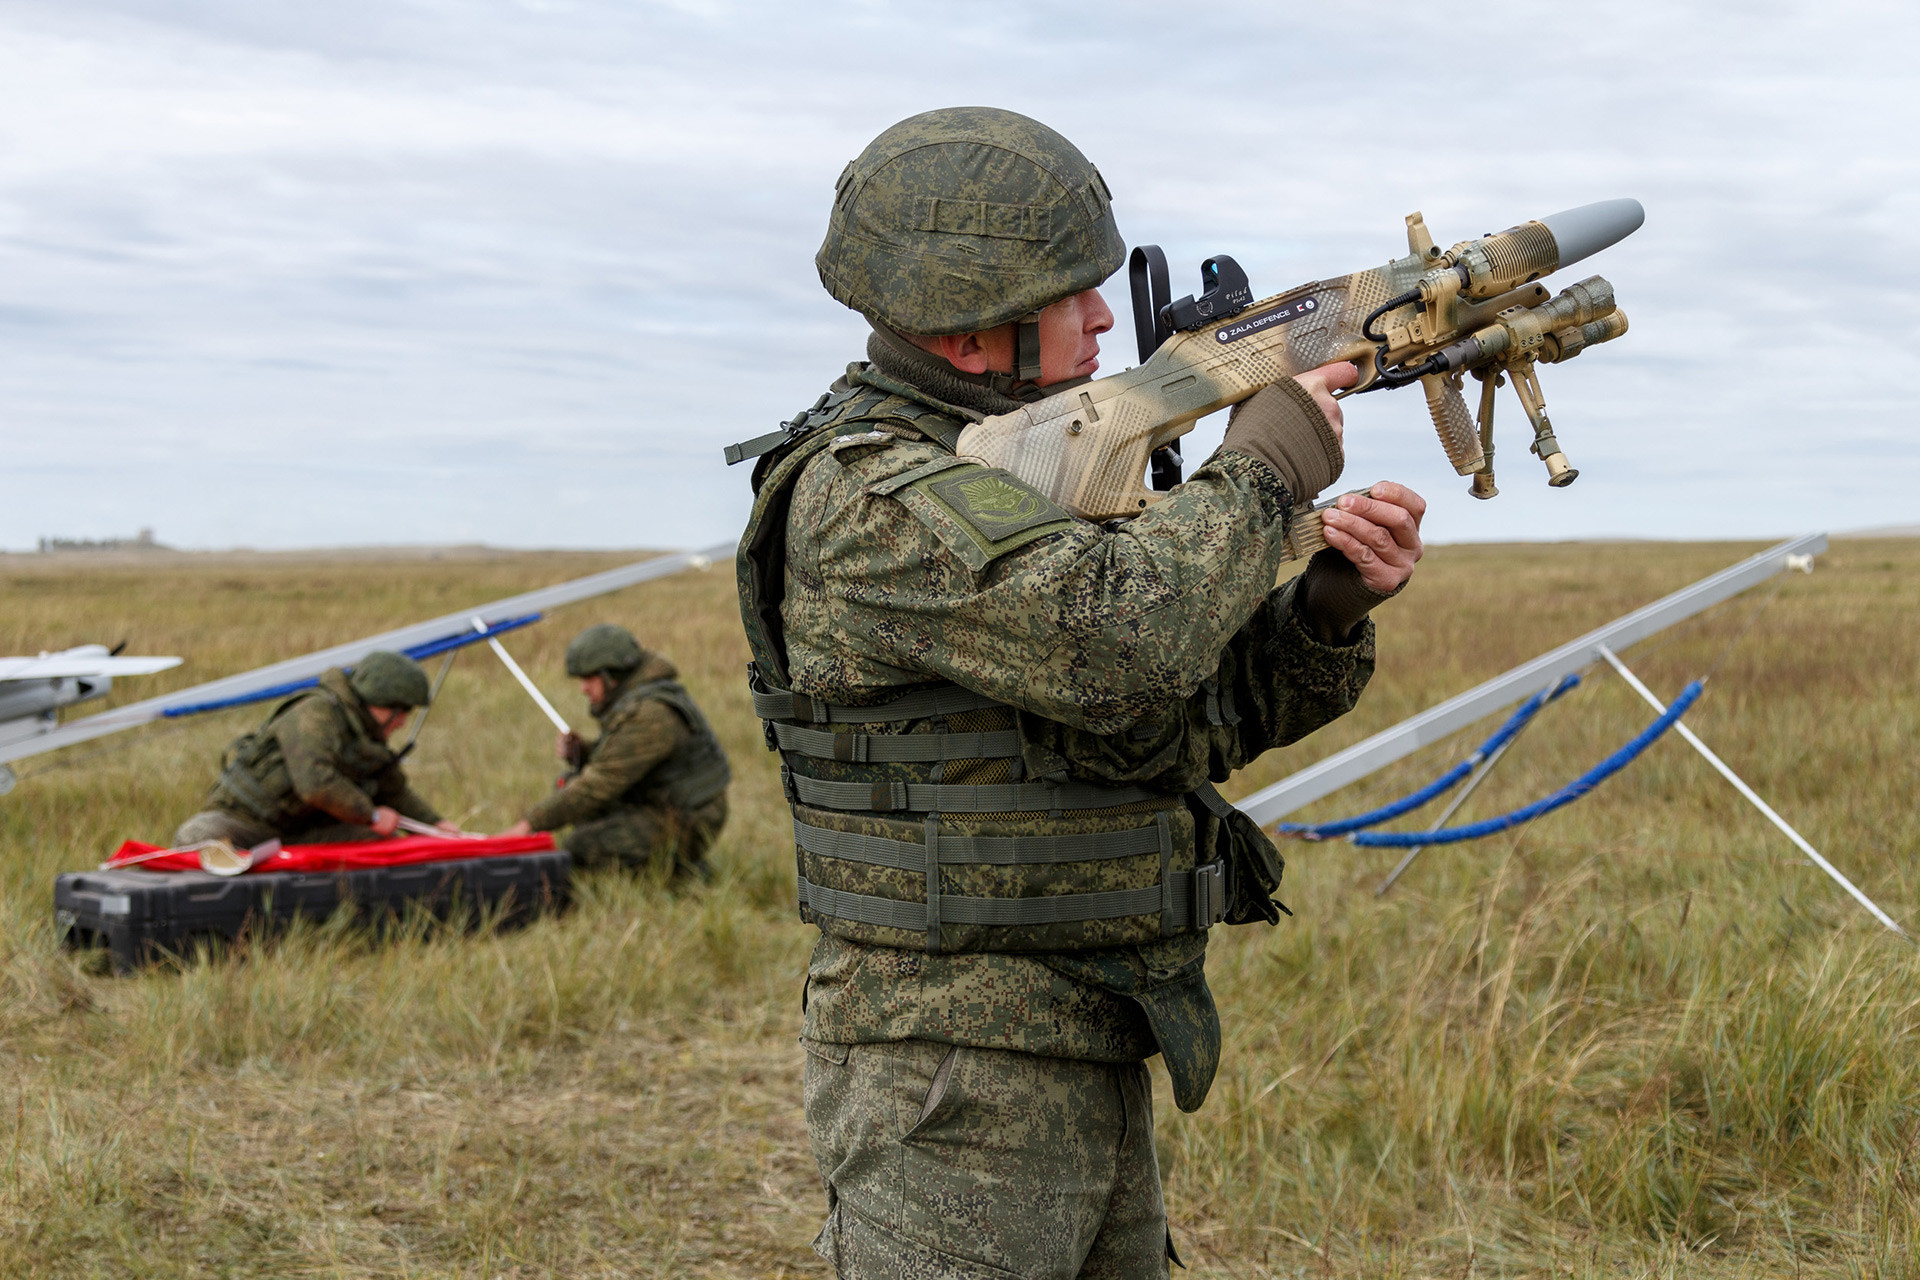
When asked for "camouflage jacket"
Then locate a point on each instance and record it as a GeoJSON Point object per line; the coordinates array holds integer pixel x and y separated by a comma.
{"type": "Point", "coordinates": [318, 759]}
{"type": "Point", "coordinates": [637, 736]}
{"type": "Point", "coordinates": [1156, 652]}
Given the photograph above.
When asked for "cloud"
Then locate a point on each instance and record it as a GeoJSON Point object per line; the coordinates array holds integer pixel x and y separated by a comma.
{"type": "Point", "coordinates": [284, 274]}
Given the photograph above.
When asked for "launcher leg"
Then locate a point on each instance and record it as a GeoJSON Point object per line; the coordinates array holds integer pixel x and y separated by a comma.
{"type": "Point", "coordinates": [1766, 809]}
{"type": "Point", "coordinates": [521, 676]}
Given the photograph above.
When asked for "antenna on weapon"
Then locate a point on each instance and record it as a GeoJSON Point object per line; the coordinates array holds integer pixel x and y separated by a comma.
{"type": "Point", "coordinates": [1152, 291]}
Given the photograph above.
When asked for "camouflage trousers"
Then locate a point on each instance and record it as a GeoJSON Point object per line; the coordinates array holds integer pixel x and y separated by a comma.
{"type": "Point", "coordinates": [675, 840]}
{"type": "Point", "coordinates": [243, 831]}
{"type": "Point", "coordinates": [947, 1162]}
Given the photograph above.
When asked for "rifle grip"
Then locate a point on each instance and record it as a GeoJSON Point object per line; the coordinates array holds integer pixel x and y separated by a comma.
{"type": "Point", "coordinates": [1459, 436]}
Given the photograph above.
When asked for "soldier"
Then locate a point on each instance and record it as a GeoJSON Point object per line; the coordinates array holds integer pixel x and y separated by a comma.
{"type": "Point", "coordinates": [653, 787]}
{"type": "Point", "coordinates": [1000, 723]}
{"type": "Point", "coordinates": [318, 770]}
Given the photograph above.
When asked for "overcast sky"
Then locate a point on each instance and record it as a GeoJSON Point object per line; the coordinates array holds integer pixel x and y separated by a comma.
{"type": "Point", "coordinates": [280, 273]}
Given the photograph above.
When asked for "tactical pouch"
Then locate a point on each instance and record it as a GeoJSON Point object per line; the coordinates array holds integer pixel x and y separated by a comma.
{"type": "Point", "coordinates": [1253, 862]}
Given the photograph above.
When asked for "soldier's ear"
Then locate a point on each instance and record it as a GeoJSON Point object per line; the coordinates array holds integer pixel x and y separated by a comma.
{"type": "Point", "coordinates": [967, 352]}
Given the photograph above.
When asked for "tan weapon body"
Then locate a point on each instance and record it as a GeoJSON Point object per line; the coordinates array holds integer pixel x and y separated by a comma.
{"type": "Point", "coordinates": [1087, 447]}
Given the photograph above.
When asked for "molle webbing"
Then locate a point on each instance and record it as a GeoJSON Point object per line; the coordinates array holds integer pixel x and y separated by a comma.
{"type": "Point", "coordinates": [946, 700]}
{"type": "Point", "coordinates": [988, 861]}
{"type": "Point", "coordinates": [1199, 900]}
{"type": "Point", "coordinates": [999, 851]}
{"type": "Point", "coordinates": [896, 748]}
{"type": "Point", "coordinates": [896, 796]}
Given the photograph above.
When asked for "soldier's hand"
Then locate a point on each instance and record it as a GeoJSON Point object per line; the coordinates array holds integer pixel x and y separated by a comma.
{"type": "Point", "coordinates": [567, 747]}
{"type": "Point", "coordinates": [1321, 383]}
{"type": "Point", "coordinates": [450, 827]}
{"type": "Point", "coordinates": [1379, 532]}
{"type": "Point", "coordinates": [385, 821]}
{"type": "Point", "coordinates": [520, 828]}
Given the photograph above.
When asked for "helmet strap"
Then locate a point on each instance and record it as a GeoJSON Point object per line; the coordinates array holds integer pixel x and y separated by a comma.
{"type": "Point", "coordinates": [1026, 349]}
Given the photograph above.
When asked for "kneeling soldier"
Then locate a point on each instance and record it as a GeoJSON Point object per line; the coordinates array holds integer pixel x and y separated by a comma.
{"type": "Point", "coordinates": [653, 785]}
{"type": "Point", "coordinates": [319, 769]}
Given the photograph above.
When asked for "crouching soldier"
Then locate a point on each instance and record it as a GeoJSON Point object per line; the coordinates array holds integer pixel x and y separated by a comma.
{"type": "Point", "coordinates": [319, 770]}
{"type": "Point", "coordinates": [651, 790]}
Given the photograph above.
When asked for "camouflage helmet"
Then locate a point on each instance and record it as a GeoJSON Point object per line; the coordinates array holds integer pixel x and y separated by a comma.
{"type": "Point", "coordinates": [603, 647]}
{"type": "Point", "coordinates": [387, 679]}
{"type": "Point", "coordinates": [964, 219]}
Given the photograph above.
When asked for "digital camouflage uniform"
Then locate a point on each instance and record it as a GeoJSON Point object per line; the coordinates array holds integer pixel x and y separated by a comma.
{"type": "Point", "coordinates": [1014, 861]}
{"type": "Point", "coordinates": [311, 774]}
{"type": "Point", "coordinates": [651, 788]}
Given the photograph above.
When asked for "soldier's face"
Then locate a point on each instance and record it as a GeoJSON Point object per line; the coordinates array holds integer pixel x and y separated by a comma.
{"type": "Point", "coordinates": [1070, 332]}
{"type": "Point", "coordinates": [389, 719]}
{"type": "Point", "coordinates": [594, 689]}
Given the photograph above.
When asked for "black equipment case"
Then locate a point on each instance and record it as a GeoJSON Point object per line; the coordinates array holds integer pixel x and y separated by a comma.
{"type": "Point", "coordinates": [140, 916]}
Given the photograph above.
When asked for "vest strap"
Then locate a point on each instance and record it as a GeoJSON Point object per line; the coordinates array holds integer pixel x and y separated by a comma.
{"type": "Point", "coordinates": [770, 703]}
{"type": "Point", "coordinates": [737, 453]}
{"type": "Point", "coordinates": [1199, 899]}
{"type": "Point", "coordinates": [955, 850]}
{"type": "Point", "coordinates": [932, 797]}
{"type": "Point", "coordinates": [896, 748]}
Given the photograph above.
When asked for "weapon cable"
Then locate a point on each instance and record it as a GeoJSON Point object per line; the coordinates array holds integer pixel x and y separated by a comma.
{"type": "Point", "coordinates": [1366, 326]}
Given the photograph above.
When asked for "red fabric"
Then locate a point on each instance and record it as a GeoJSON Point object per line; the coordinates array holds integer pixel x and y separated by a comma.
{"type": "Point", "coordinates": [353, 854]}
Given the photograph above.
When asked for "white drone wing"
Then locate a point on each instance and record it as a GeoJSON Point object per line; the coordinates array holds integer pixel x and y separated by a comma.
{"type": "Point", "coordinates": [55, 666]}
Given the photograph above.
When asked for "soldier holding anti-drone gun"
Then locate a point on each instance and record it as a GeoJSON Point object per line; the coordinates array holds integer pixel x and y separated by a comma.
{"type": "Point", "coordinates": [1001, 676]}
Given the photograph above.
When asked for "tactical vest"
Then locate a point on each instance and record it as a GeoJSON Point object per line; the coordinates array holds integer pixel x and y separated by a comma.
{"type": "Point", "coordinates": [255, 779]}
{"type": "Point", "coordinates": [916, 824]}
{"type": "Point", "coordinates": [697, 771]}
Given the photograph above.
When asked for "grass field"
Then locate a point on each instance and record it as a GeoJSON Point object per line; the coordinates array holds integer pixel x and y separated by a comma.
{"type": "Point", "coordinates": [1640, 1037]}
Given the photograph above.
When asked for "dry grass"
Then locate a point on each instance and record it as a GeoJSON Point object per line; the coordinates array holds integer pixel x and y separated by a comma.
{"type": "Point", "coordinates": [1639, 1038]}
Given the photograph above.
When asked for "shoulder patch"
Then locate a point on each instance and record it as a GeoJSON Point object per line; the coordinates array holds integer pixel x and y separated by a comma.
{"type": "Point", "coordinates": [994, 502]}
{"type": "Point", "coordinates": [981, 513]}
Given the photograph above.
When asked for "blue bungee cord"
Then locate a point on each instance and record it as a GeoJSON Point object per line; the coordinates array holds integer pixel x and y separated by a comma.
{"type": "Point", "coordinates": [1564, 796]}
{"type": "Point", "coordinates": [1440, 785]}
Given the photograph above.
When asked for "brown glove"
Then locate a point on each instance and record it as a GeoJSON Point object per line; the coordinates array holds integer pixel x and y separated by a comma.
{"type": "Point", "coordinates": [1282, 426]}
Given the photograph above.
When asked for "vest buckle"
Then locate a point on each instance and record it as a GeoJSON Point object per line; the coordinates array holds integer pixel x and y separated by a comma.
{"type": "Point", "coordinates": [1209, 895]}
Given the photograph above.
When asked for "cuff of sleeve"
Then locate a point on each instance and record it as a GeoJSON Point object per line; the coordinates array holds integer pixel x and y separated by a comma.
{"type": "Point", "coordinates": [1316, 665]}
{"type": "Point", "coordinates": [1332, 599]}
{"type": "Point", "coordinates": [1282, 425]}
